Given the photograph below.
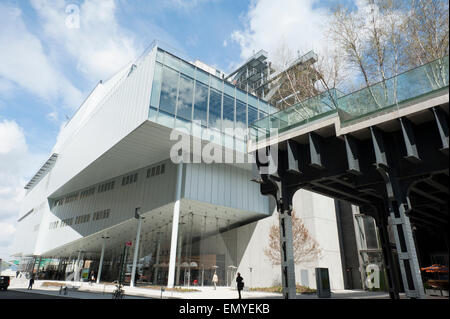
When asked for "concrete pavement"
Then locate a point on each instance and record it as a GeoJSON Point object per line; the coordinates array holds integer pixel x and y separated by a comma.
{"type": "Point", "coordinates": [85, 290]}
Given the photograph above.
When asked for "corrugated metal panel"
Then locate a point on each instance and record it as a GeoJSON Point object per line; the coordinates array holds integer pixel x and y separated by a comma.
{"type": "Point", "coordinates": [120, 113]}
{"type": "Point", "coordinates": [224, 185]}
{"type": "Point", "coordinates": [147, 193]}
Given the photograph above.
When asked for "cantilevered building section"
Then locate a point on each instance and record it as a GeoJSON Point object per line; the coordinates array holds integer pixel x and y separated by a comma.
{"type": "Point", "coordinates": [111, 174]}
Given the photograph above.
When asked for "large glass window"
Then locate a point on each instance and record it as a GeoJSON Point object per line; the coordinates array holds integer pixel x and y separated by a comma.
{"type": "Point", "coordinates": [228, 89]}
{"type": "Point", "coordinates": [252, 114]}
{"type": "Point", "coordinates": [200, 103]}
{"type": "Point", "coordinates": [228, 112]}
{"type": "Point", "coordinates": [215, 107]}
{"type": "Point", "coordinates": [168, 90]}
{"type": "Point", "coordinates": [171, 61]}
{"type": "Point", "coordinates": [241, 114]}
{"type": "Point", "coordinates": [185, 98]}
{"type": "Point", "coordinates": [216, 83]}
{"type": "Point", "coordinates": [156, 87]}
{"type": "Point", "coordinates": [187, 69]}
{"type": "Point", "coordinates": [202, 76]}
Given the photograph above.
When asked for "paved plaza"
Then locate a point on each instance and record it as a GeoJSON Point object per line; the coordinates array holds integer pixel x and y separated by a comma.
{"type": "Point", "coordinates": [82, 290]}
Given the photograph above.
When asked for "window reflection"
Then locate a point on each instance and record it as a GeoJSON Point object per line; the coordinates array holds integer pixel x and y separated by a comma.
{"type": "Point", "coordinates": [241, 115]}
{"type": "Point", "coordinates": [252, 114]}
{"type": "Point", "coordinates": [196, 96]}
{"type": "Point", "coordinates": [202, 76]}
{"type": "Point", "coordinates": [228, 112]}
{"type": "Point", "coordinates": [168, 90]}
{"type": "Point", "coordinates": [156, 87]}
{"type": "Point", "coordinates": [215, 107]}
{"type": "Point", "coordinates": [200, 103]}
{"type": "Point", "coordinates": [185, 97]}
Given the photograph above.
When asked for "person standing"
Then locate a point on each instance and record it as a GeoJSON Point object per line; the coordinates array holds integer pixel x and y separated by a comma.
{"type": "Point", "coordinates": [30, 285]}
{"type": "Point", "coordinates": [215, 280]}
{"type": "Point", "coordinates": [240, 284]}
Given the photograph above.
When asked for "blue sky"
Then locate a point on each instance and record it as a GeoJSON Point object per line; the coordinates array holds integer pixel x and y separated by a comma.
{"type": "Point", "coordinates": [47, 69]}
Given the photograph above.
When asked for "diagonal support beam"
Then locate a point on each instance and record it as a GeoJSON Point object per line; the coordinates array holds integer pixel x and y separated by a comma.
{"type": "Point", "coordinates": [442, 124]}
{"type": "Point", "coordinates": [353, 155]}
{"type": "Point", "coordinates": [293, 157]}
{"type": "Point", "coordinates": [316, 150]}
{"type": "Point", "coordinates": [412, 154]}
{"type": "Point", "coordinates": [378, 146]}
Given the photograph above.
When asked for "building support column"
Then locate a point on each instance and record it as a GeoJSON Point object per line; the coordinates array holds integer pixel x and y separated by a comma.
{"type": "Point", "coordinates": [175, 221]}
{"type": "Point", "coordinates": [99, 273]}
{"type": "Point", "coordinates": [158, 253]}
{"type": "Point", "coordinates": [136, 247]}
{"type": "Point", "coordinates": [398, 206]}
{"type": "Point", "coordinates": [406, 250]}
{"type": "Point", "coordinates": [39, 266]}
{"type": "Point", "coordinates": [179, 249]}
{"type": "Point", "coordinates": [391, 271]}
{"type": "Point", "coordinates": [287, 251]}
{"type": "Point", "coordinates": [273, 179]}
{"type": "Point", "coordinates": [76, 276]}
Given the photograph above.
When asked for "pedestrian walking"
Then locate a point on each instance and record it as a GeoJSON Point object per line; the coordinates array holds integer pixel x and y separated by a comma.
{"type": "Point", "coordinates": [17, 273]}
{"type": "Point", "coordinates": [215, 280]}
{"type": "Point", "coordinates": [30, 285]}
{"type": "Point", "coordinates": [92, 278]}
{"type": "Point", "coordinates": [240, 284]}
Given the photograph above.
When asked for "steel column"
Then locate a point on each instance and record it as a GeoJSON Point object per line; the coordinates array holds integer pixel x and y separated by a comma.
{"type": "Point", "coordinates": [100, 265]}
{"type": "Point", "coordinates": [136, 247]}
{"type": "Point", "coordinates": [175, 221]}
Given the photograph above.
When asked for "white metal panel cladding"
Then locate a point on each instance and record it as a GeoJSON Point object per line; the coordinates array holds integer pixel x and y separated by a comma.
{"type": "Point", "coordinates": [147, 193]}
{"type": "Point", "coordinates": [224, 185]}
{"type": "Point", "coordinates": [120, 113]}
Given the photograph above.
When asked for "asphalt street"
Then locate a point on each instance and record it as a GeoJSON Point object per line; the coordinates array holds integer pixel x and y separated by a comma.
{"type": "Point", "coordinates": [13, 294]}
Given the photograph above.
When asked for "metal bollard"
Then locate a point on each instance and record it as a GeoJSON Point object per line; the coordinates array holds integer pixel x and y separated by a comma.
{"type": "Point", "coordinates": [162, 290]}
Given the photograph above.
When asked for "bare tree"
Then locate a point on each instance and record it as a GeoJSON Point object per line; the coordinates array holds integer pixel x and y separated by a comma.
{"type": "Point", "coordinates": [386, 37]}
{"type": "Point", "coordinates": [427, 31]}
{"type": "Point", "coordinates": [305, 83]}
{"type": "Point", "coordinates": [305, 247]}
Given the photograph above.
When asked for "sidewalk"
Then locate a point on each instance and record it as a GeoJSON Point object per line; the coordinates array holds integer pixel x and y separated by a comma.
{"type": "Point", "coordinates": [85, 290]}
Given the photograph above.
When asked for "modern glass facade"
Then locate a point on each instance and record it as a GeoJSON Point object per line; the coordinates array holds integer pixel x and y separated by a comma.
{"type": "Point", "coordinates": [185, 96]}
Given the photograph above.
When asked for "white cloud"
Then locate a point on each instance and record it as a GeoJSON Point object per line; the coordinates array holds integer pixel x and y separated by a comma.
{"type": "Point", "coordinates": [12, 141]}
{"type": "Point", "coordinates": [26, 64]}
{"type": "Point", "coordinates": [53, 117]}
{"type": "Point", "coordinates": [17, 165]}
{"type": "Point", "coordinates": [100, 46]}
{"type": "Point", "coordinates": [13, 158]}
{"type": "Point", "coordinates": [186, 4]}
{"type": "Point", "coordinates": [270, 23]}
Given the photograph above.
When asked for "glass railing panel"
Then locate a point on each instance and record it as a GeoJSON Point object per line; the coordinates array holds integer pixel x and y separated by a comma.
{"type": "Point", "coordinates": [296, 115]}
{"type": "Point", "coordinates": [392, 94]}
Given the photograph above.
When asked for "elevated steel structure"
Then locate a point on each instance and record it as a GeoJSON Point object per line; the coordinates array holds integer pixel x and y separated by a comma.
{"type": "Point", "coordinates": [384, 149]}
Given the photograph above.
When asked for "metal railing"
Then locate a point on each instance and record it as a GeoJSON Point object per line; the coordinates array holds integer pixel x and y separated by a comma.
{"type": "Point", "coordinates": [375, 100]}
